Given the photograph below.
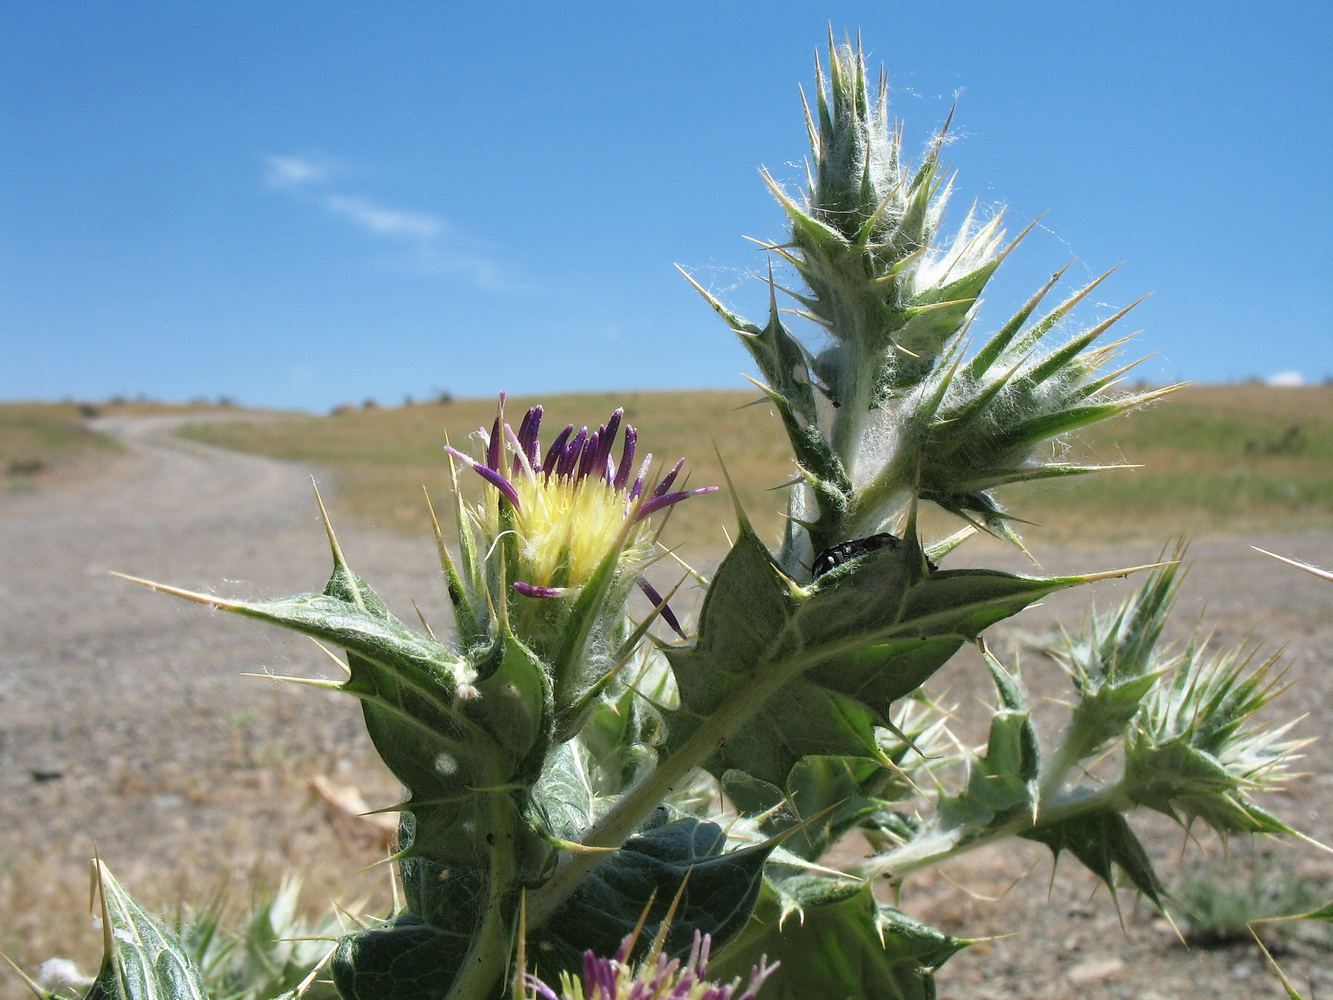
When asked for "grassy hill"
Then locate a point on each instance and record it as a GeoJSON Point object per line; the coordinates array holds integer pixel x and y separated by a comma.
{"type": "Point", "coordinates": [42, 443]}
{"type": "Point", "coordinates": [1213, 459]}
{"type": "Point", "coordinates": [39, 439]}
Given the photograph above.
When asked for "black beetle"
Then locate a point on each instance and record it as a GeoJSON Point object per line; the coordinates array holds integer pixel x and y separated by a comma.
{"type": "Point", "coordinates": [832, 558]}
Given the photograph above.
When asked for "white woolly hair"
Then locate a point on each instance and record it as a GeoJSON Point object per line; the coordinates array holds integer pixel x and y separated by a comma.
{"type": "Point", "coordinates": [879, 441]}
{"type": "Point", "coordinates": [975, 244]}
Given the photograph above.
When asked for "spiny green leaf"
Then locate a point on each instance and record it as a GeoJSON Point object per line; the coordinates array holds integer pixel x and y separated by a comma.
{"type": "Point", "coordinates": [1103, 841]}
{"type": "Point", "coordinates": [456, 731]}
{"type": "Point", "coordinates": [468, 615]}
{"type": "Point", "coordinates": [780, 356]}
{"type": "Point", "coordinates": [998, 345]}
{"type": "Point", "coordinates": [718, 895]}
{"type": "Point", "coordinates": [454, 748]}
{"type": "Point", "coordinates": [835, 657]}
{"type": "Point", "coordinates": [813, 454]}
{"type": "Point", "coordinates": [836, 942]}
{"type": "Point", "coordinates": [1034, 335]}
{"type": "Point", "coordinates": [1101, 714]}
{"type": "Point", "coordinates": [1004, 781]}
{"type": "Point", "coordinates": [1029, 433]}
{"type": "Point", "coordinates": [455, 763]}
{"type": "Point", "coordinates": [968, 601]}
{"type": "Point", "coordinates": [748, 604]}
{"type": "Point", "coordinates": [1185, 783]}
{"type": "Point", "coordinates": [825, 796]}
{"type": "Point", "coordinates": [142, 960]}
{"type": "Point", "coordinates": [403, 959]}
{"type": "Point", "coordinates": [1196, 749]}
{"type": "Point", "coordinates": [999, 784]}
{"type": "Point", "coordinates": [1115, 662]}
{"type": "Point", "coordinates": [566, 792]}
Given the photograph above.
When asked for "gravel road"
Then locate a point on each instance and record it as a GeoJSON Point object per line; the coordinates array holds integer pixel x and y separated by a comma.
{"type": "Point", "coordinates": [125, 722]}
{"type": "Point", "coordinates": [123, 716]}
{"type": "Point", "coordinates": [84, 645]}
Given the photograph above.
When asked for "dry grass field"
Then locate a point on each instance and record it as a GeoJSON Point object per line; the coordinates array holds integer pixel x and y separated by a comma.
{"type": "Point", "coordinates": [1210, 459]}
{"type": "Point", "coordinates": [38, 440]}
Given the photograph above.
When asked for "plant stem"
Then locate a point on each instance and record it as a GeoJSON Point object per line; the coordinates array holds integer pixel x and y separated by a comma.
{"type": "Point", "coordinates": [489, 953]}
{"type": "Point", "coordinates": [747, 699]}
{"type": "Point", "coordinates": [1058, 767]}
{"type": "Point", "coordinates": [648, 792]}
{"type": "Point", "coordinates": [942, 845]}
{"type": "Point", "coordinates": [849, 419]}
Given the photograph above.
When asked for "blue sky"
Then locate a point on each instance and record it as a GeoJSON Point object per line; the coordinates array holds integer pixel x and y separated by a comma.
{"type": "Point", "coordinates": [299, 204]}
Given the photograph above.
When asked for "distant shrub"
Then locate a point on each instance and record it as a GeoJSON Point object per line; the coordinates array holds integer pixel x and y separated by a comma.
{"type": "Point", "coordinates": [1220, 902]}
{"type": "Point", "coordinates": [1292, 441]}
{"type": "Point", "coordinates": [26, 466]}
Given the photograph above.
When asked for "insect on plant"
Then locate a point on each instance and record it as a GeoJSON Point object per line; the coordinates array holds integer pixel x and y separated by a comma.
{"type": "Point", "coordinates": [836, 555]}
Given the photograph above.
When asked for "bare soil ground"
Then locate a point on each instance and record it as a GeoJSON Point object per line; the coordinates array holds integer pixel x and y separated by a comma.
{"type": "Point", "coordinates": [125, 725]}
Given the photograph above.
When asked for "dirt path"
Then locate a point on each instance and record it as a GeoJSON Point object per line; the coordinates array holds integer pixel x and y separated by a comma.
{"type": "Point", "coordinates": [124, 721]}
{"type": "Point", "coordinates": [85, 649]}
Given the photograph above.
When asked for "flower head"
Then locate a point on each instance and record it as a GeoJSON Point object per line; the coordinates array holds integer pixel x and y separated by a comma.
{"type": "Point", "coordinates": [572, 504]}
{"type": "Point", "coordinates": [656, 978]}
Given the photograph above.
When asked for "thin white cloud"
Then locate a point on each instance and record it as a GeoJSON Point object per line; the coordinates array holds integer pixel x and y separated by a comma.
{"type": "Point", "coordinates": [383, 221]}
{"type": "Point", "coordinates": [1286, 380]}
{"type": "Point", "coordinates": [428, 244]}
{"type": "Point", "coordinates": [445, 257]}
{"type": "Point", "coordinates": [295, 171]}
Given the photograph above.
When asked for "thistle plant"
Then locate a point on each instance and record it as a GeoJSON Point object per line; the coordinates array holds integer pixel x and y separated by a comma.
{"type": "Point", "coordinates": [581, 765]}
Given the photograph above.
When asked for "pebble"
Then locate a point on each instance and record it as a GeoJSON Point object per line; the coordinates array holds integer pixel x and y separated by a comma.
{"type": "Point", "coordinates": [1094, 970]}
{"type": "Point", "coordinates": [47, 770]}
